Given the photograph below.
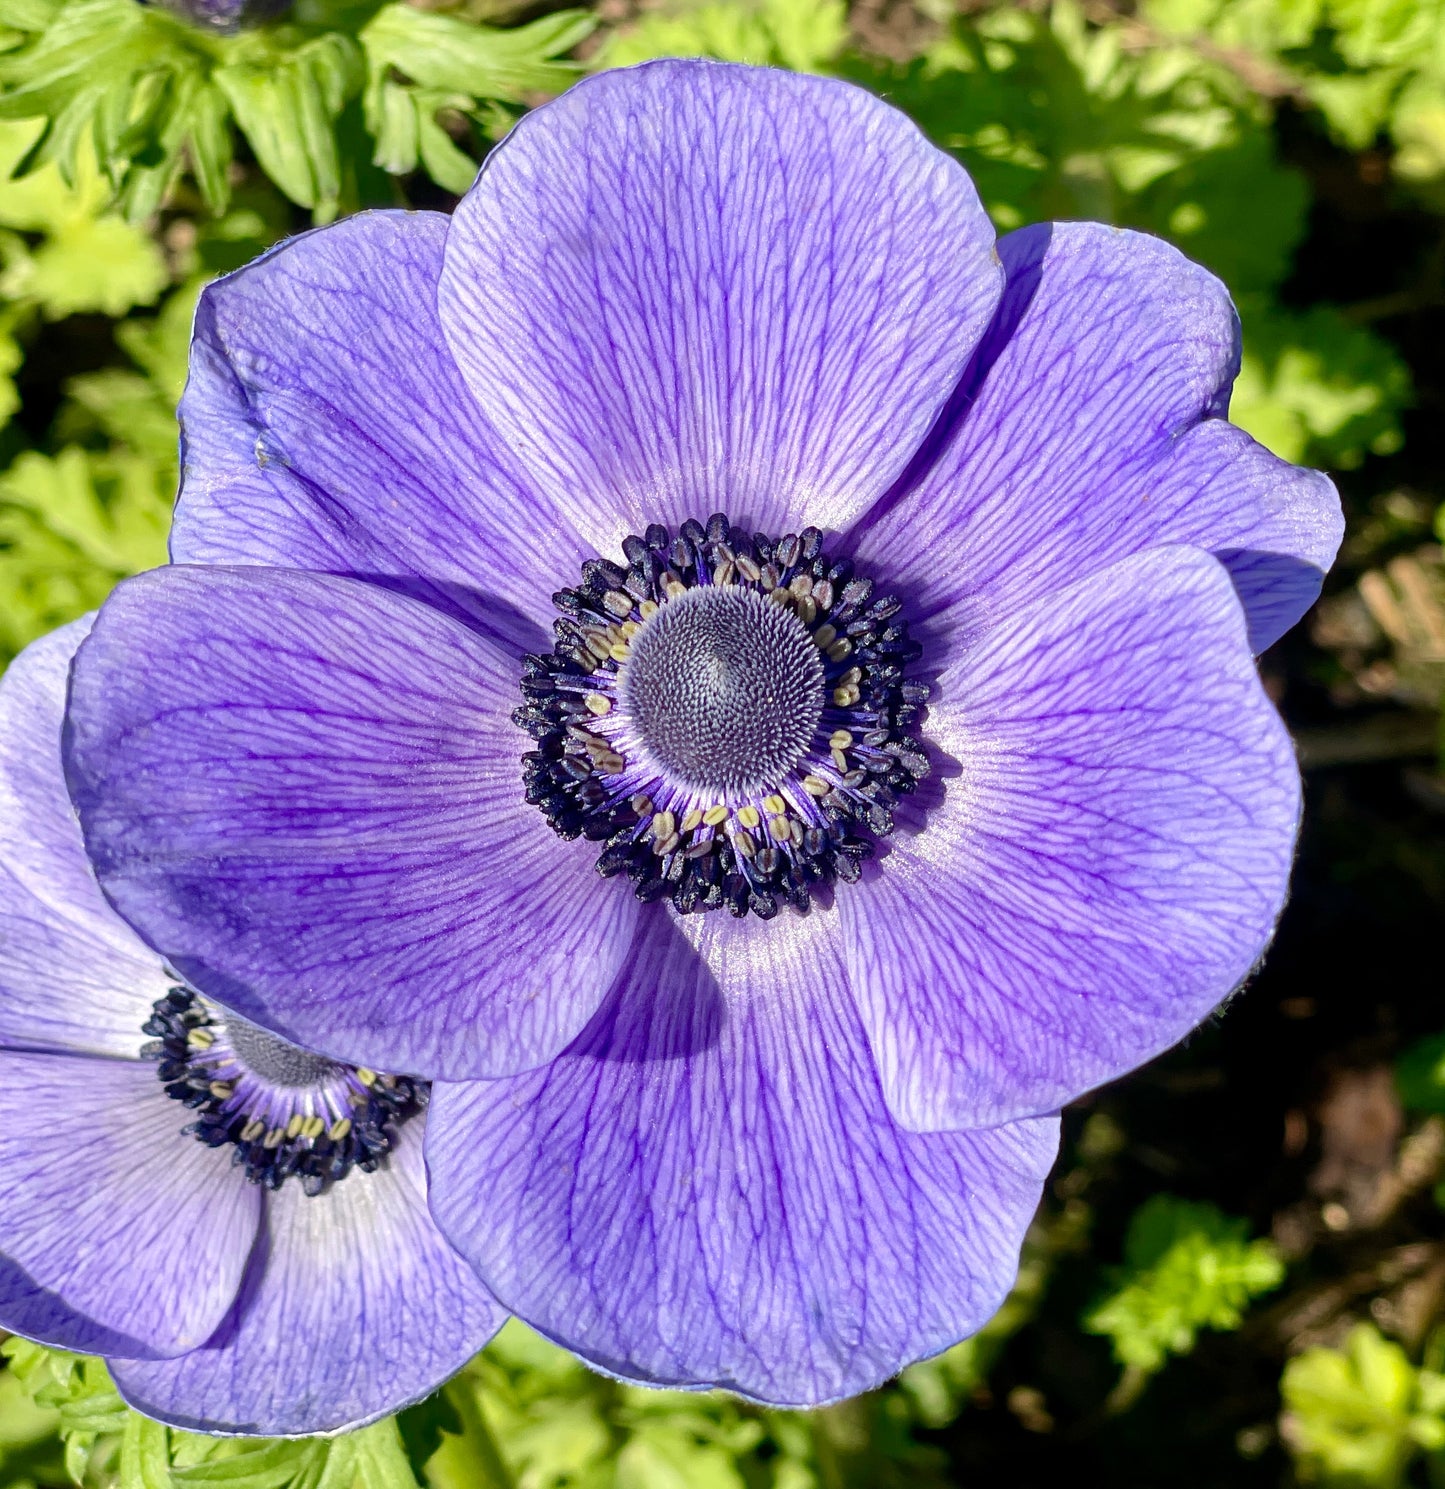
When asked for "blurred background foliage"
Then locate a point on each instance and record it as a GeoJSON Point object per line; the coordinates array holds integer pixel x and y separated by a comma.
{"type": "Point", "coordinates": [1238, 1272]}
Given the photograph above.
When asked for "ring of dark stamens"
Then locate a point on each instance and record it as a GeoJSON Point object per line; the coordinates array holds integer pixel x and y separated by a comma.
{"type": "Point", "coordinates": [608, 762]}
{"type": "Point", "coordinates": [183, 1029]}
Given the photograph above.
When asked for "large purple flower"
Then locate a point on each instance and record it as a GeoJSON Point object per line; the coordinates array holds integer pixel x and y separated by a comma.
{"type": "Point", "coordinates": [120, 1233]}
{"type": "Point", "coordinates": [902, 693]}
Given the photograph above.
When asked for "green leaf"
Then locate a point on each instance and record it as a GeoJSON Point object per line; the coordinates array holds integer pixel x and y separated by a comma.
{"type": "Point", "coordinates": [93, 264]}
{"type": "Point", "coordinates": [379, 1457]}
{"type": "Point", "coordinates": [447, 53]}
{"type": "Point", "coordinates": [1420, 1071]}
{"type": "Point", "coordinates": [87, 260]}
{"type": "Point", "coordinates": [804, 35]}
{"type": "Point", "coordinates": [420, 63]}
{"type": "Point", "coordinates": [28, 15]}
{"type": "Point", "coordinates": [1186, 1267]}
{"type": "Point", "coordinates": [423, 1425]}
{"type": "Point", "coordinates": [145, 1455]}
{"type": "Point", "coordinates": [1358, 1416]}
{"type": "Point", "coordinates": [270, 1467]}
{"type": "Point", "coordinates": [287, 105]}
{"type": "Point", "coordinates": [124, 81]}
{"type": "Point", "coordinates": [1417, 125]}
{"type": "Point", "coordinates": [71, 527]}
{"type": "Point", "coordinates": [30, 1450]}
{"type": "Point", "coordinates": [1316, 388]}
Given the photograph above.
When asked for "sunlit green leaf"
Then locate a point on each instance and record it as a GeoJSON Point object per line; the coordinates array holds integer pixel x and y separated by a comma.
{"type": "Point", "coordinates": [1357, 1416]}
{"type": "Point", "coordinates": [1318, 389]}
{"type": "Point", "coordinates": [1186, 1267]}
{"type": "Point", "coordinates": [420, 63]}
{"type": "Point", "coordinates": [145, 1454]}
{"type": "Point", "coordinates": [801, 34]}
{"type": "Point", "coordinates": [287, 104]}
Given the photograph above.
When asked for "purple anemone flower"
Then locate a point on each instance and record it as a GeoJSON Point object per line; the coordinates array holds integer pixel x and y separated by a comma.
{"type": "Point", "coordinates": [743, 679]}
{"type": "Point", "coordinates": [238, 1224]}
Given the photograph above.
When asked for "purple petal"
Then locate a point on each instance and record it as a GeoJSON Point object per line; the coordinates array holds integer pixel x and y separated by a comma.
{"type": "Point", "coordinates": [353, 1307]}
{"type": "Point", "coordinates": [326, 427]}
{"type": "Point", "coordinates": [688, 287]}
{"type": "Point", "coordinates": [1109, 859]}
{"type": "Point", "coordinates": [707, 1188]}
{"type": "Point", "coordinates": [73, 976]}
{"type": "Point", "coordinates": [306, 792]}
{"type": "Point", "coordinates": [117, 1230]}
{"type": "Point", "coordinates": [1093, 430]}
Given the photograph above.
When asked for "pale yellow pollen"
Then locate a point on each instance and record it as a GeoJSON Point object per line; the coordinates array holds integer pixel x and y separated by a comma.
{"type": "Point", "coordinates": [780, 828]}
{"type": "Point", "coordinates": [840, 739]}
{"type": "Point", "coordinates": [220, 1089]}
{"type": "Point", "coordinates": [840, 649]}
{"type": "Point", "coordinates": [692, 821]}
{"type": "Point", "coordinates": [252, 1130]}
{"type": "Point", "coordinates": [647, 608]}
{"type": "Point", "coordinates": [774, 805]}
{"type": "Point", "coordinates": [749, 816]}
{"type": "Point", "coordinates": [597, 704]}
{"type": "Point", "coordinates": [294, 1126]}
{"type": "Point", "coordinates": [824, 637]}
{"type": "Point", "coordinates": [663, 825]}
{"type": "Point", "coordinates": [339, 1129]}
{"type": "Point", "coordinates": [846, 697]}
{"type": "Point", "coordinates": [620, 652]}
{"type": "Point", "coordinates": [312, 1128]}
{"type": "Point", "coordinates": [840, 760]}
{"type": "Point", "coordinates": [365, 1076]}
{"type": "Point", "coordinates": [275, 1137]}
{"type": "Point", "coordinates": [201, 1039]}
{"type": "Point", "coordinates": [714, 815]}
{"type": "Point", "coordinates": [816, 786]}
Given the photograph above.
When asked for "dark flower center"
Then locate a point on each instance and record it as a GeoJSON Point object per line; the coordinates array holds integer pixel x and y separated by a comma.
{"type": "Point", "coordinates": [287, 1112]}
{"type": "Point", "coordinates": [728, 715]}
{"type": "Point", "coordinates": [273, 1059]}
{"type": "Point", "coordinates": [725, 689]}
